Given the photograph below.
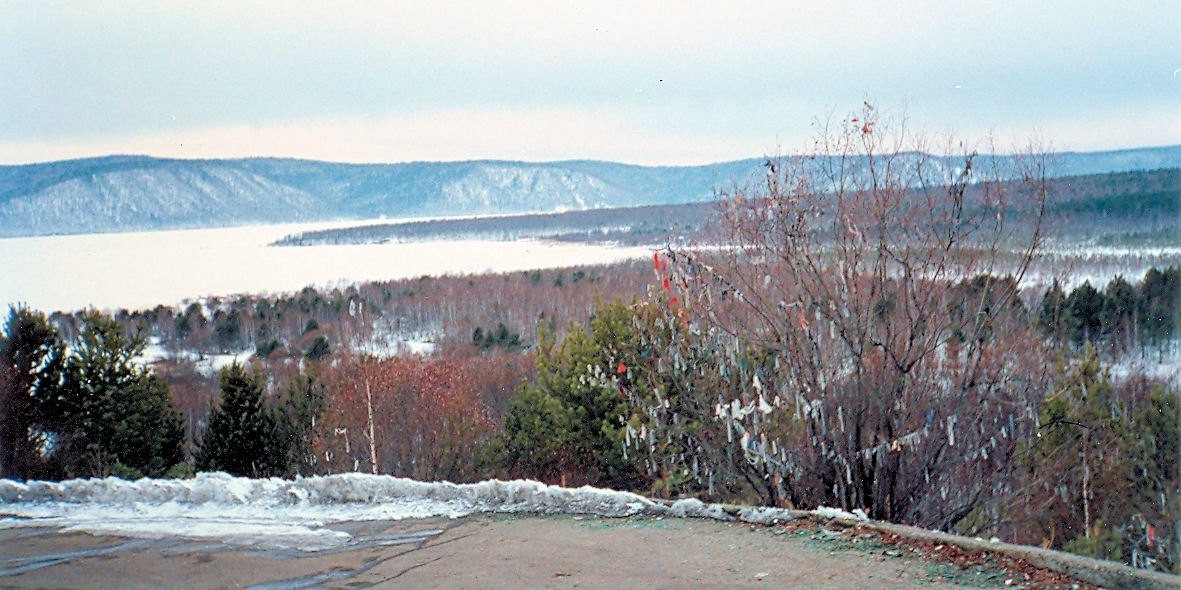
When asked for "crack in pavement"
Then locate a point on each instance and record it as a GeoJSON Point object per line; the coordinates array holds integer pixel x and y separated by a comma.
{"type": "Point", "coordinates": [418, 540]}
{"type": "Point", "coordinates": [28, 564]}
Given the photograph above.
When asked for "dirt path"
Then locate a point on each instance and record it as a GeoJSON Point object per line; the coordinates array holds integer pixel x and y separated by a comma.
{"type": "Point", "coordinates": [497, 552]}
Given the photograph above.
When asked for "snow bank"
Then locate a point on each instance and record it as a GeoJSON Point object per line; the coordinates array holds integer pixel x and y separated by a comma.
{"type": "Point", "coordinates": [300, 513]}
{"type": "Point", "coordinates": [282, 513]}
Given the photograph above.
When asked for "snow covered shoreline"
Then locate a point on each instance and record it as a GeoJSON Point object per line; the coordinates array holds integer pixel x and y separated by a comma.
{"type": "Point", "coordinates": [297, 513]}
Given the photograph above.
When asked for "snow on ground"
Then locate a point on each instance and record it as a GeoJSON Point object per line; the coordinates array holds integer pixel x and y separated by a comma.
{"type": "Point", "coordinates": [298, 514]}
{"type": "Point", "coordinates": [1163, 362]}
{"type": "Point", "coordinates": [1086, 251]}
{"type": "Point", "coordinates": [386, 341]}
{"type": "Point", "coordinates": [207, 364]}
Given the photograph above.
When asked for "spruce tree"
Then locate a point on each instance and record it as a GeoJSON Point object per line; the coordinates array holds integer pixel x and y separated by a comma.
{"type": "Point", "coordinates": [243, 436]}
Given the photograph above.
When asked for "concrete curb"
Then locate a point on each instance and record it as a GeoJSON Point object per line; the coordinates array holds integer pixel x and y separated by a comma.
{"type": "Point", "coordinates": [1107, 574]}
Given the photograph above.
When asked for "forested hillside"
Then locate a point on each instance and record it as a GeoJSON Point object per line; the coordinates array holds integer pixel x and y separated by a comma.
{"type": "Point", "coordinates": [1137, 209]}
{"type": "Point", "coordinates": [1129, 209]}
{"type": "Point", "coordinates": [124, 193]}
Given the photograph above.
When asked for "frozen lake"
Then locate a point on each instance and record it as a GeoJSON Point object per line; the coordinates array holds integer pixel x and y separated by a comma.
{"type": "Point", "coordinates": [143, 269]}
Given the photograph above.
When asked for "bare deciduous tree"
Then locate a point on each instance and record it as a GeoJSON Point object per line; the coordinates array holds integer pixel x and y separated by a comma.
{"type": "Point", "coordinates": [858, 336]}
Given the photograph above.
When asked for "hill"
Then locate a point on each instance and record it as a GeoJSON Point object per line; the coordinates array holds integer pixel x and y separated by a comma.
{"type": "Point", "coordinates": [1129, 209]}
{"type": "Point", "coordinates": [130, 193]}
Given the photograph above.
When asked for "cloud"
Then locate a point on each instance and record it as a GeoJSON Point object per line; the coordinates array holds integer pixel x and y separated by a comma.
{"type": "Point", "coordinates": [525, 134]}
{"type": "Point", "coordinates": [637, 136]}
{"type": "Point", "coordinates": [658, 82]}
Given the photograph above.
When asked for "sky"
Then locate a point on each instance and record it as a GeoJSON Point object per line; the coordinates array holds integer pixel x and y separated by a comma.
{"type": "Point", "coordinates": [653, 83]}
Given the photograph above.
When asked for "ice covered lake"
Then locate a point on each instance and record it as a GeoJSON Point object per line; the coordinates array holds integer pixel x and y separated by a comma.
{"type": "Point", "coordinates": [138, 270]}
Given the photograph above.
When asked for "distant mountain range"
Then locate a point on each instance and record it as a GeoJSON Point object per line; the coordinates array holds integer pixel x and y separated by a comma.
{"type": "Point", "coordinates": [132, 193]}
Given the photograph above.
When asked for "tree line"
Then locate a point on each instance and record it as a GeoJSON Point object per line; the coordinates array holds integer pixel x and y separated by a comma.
{"type": "Point", "coordinates": [1118, 318]}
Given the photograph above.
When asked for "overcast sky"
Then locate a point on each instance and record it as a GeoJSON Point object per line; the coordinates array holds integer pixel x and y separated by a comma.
{"type": "Point", "coordinates": [669, 83]}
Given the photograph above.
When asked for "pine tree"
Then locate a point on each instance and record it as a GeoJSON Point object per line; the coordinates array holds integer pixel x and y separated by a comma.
{"type": "Point", "coordinates": [319, 349]}
{"type": "Point", "coordinates": [227, 327]}
{"type": "Point", "coordinates": [32, 359]}
{"type": "Point", "coordinates": [537, 438]}
{"type": "Point", "coordinates": [566, 426]}
{"type": "Point", "coordinates": [243, 436]}
{"type": "Point", "coordinates": [148, 439]}
{"type": "Point", "coordinates": [1080, 447]}
{"type": "Point", "coordinates": [112, 416]}
{"type": "Point", "coordinates": [1098, 462]}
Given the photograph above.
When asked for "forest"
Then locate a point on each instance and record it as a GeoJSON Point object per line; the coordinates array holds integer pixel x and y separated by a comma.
{"type": "Point", "coordinates": [864, 338]}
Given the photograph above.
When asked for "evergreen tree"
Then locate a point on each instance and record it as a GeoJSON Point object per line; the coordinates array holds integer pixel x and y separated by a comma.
{"type": "Point", "coordinates": [1159, 294]}
{"type": "Point", "coordinates": [501, 336]}
{"type": "Point", "coordinates": [305, 402]}
{"type": "Point", "coordinates": [1102, 459]}
{"type": "Point", "coordinates": [112, 416]}
{"type": "Point", "coordinates": [32, 359]}
{"type": "Point", "coordinates": [538, 437]}
{"type": "Point", "coordinates": [148, 439]}
{"type": "Point", "coordinates": [1120, 303]}
{"type": "Point", "coordinates": [319, 349]}
{"type": "Point", "coordinates": [1086, 307]}
{"type": "Point", "coordinates": [243, 436]}
{"type": "Point", "coordinates": [1054, 316]}
{"type": "Point", "coordinates": [227, 327]}
{"type": "Point", "coordinates": [566, 425]}
{"type": "Point", "coordinates": [1082, 450]}
{"type": "Point", "coordinates": [193, 319]}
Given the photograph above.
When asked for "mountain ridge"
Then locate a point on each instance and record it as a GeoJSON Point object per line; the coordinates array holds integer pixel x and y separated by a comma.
{"type": "Point", "coordinates": [137, 193]}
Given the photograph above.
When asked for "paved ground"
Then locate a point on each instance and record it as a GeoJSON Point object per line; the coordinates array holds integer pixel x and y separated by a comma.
{"type": "Point", "coordinates": [495, 552]}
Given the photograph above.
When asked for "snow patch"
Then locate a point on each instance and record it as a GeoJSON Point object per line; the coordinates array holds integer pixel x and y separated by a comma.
{"type": "Point", "coordinates": [1154, 362]}
{"type": "Point", "coordinates": [207, 364]}
{"type": "Point", "coordinates": [694, 508]}
{"type": "Point", "coordinates": [765, 515]}
{"type": "Point", "coordinates": [857, 515]}
{"type": "Point", "coordinates": [386, 342]}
